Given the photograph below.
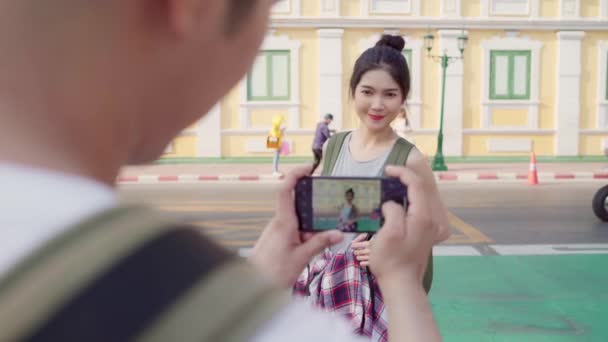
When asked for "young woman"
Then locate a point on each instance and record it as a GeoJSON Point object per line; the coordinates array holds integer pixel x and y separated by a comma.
{"type": "Point", "coordinates": [349, 213]}
{"type": "Point", "coordinates": [379, 86]}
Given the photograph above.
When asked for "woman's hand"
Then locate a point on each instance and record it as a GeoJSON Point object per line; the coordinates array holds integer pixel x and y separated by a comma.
{"type": "Point", "coordinates": [360, 246]}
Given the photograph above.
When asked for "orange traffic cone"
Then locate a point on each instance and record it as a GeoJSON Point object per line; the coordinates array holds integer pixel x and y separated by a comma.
{"type": "Point", "coordinates": [533, 174]}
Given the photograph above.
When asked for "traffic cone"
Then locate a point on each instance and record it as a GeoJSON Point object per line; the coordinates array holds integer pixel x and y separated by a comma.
{"type": "Point", "coordinates": [533, 174]}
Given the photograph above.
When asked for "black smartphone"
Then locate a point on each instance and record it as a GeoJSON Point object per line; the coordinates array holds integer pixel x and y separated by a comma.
{"type": "Point", "coordinates": [349, 204]}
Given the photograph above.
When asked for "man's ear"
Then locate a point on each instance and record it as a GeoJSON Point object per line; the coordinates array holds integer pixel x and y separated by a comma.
{"type": "Point", "coordinates": [187, 16]}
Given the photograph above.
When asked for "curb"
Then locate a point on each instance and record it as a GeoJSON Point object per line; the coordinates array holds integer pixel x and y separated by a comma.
{"type": "Point", "coordinates": [441, 177]}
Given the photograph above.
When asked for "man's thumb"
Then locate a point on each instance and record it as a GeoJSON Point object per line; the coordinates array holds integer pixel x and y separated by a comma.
{"type": "Point", "coordinates": [318, 242]}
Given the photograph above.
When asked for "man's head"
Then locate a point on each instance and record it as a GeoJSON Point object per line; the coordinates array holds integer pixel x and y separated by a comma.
{"type": "Point", "coordinates": [328, 118]}
{"type": "Point", "coordinates": [135, 72]}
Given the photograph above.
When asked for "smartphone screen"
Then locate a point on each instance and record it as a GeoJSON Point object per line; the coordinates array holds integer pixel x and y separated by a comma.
{"type": "Point", "coordinates": [347, 204]}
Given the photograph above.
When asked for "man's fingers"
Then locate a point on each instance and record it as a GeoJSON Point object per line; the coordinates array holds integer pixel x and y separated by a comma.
{"type": "Point", "coordinates": [306, 236]}
{"type": "Point", "coordinates": [285, 199]}
{"type": "Point", "coordinates": [360, 238]}
{"type": "Point", "coordinates": [363, 257]}
{"type": "Point", "coordinates": [416, 194]}
{"type": "Point", "coordinates": [360, 245]}
{"type": "Point", "coordinates": [315, 244]}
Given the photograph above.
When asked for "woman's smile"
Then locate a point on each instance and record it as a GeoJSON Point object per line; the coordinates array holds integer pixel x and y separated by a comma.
{"type": "Point", "coordinates": [376, 117]}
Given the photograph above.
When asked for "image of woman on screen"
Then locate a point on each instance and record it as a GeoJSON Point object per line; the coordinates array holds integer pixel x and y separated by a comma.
{"type": "Point", "coordinates": [349, 213]}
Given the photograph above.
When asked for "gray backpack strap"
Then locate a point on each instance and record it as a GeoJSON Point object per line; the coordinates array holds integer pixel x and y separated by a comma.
{"type": "Point", "coordinates": [334, 145]}
{"type": "Point", "coordinates": [47, 280]}
{"type": "Point", "coordinates": [401, 150]}
{"type": "Point", "coordinates": [121, 275]}
{"type": "Point", "coordinates": [237, 302]}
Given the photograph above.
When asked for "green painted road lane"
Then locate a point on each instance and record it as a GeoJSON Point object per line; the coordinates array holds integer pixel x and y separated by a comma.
{"type": "Point", "coordinates": [522, 298]}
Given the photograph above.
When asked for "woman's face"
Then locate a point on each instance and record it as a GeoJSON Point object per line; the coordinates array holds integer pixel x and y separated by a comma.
{"type": "Point", "coordinates": [349, 197]}
{"type": "Point", "coordinates": [378, 99]}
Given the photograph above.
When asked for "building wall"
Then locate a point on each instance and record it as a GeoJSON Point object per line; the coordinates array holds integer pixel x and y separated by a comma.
{"type": "Point", "coordinates": [487, 129]}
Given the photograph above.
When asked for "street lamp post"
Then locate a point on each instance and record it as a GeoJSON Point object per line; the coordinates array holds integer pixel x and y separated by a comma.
{"type": "Point", "coordinates": [444, 60]}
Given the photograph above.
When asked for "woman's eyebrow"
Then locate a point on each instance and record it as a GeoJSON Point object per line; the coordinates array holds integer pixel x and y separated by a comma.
{"type": "Point", "coordinates": [384, 90]}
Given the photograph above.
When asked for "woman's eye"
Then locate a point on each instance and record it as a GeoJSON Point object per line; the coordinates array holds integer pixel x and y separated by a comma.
{"type": "Point", "coordinates": [391, 95]}
{"type": "Point", "coordinates": [366, 92]}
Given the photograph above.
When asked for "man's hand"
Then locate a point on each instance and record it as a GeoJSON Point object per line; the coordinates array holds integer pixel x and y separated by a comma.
{"type": "Point", "coordinates": [401, 248]}
{"type": "Point", "coordinates": [282, 251]}
{"type": "Point", "coordinates": [398, 254]}
{"type": "Point", "coordinates": [360, 246]}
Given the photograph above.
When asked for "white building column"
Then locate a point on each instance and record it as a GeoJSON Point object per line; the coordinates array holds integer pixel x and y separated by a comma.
{"type": "Point", "coordinates": [604, 9]}
{"type": "Point", "coordinates": [568, 103]}
{"type": "Point", "coordinates": [209, 133]}
{"type": "Point", "coordinates": [453, 109]}
{"type": "Point", "coordinates": [330, 69]}
{"type": "Point", "coordinates": [602, 98]}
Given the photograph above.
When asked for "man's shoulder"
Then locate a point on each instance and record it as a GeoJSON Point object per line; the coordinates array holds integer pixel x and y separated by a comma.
{"type": "Point", "coordinates": [144, 262]}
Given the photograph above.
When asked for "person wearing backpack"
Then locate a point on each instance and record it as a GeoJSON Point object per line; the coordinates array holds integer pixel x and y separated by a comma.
{"type": "Point", "coordinates": [322, 134]}
{"type": "Point", "coordinates": [90, 86]}
{"type": "Point", "coordinates": [379, 86]}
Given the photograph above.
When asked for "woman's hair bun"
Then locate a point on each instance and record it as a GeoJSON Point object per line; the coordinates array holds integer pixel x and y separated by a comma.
{"type": "Point", "coordinates": [395, 42]}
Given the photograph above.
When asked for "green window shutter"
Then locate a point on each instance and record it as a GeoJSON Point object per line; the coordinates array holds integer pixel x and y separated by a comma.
{"type": "Point", "coordinates": [270, 78]}
{"type": "Point", "coordinates": [510, 75]}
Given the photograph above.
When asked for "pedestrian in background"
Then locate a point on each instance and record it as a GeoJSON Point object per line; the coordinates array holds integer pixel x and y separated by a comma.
{"type": "Point", "coordinates": [275, 142]}
{"type": "Point", "coordinates": [322, 134]}
{"type": "Point", "coordinates": [401, 124]}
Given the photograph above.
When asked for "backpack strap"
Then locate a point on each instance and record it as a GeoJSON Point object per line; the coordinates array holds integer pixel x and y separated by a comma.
{"type": "Point", "coordinates": [237, 302]}
{"type": "Point", "coordinates": [399, 153]}
{"type": "Point", "coordinates": [334, 145]}
{"type": "Point", "coordinates": [113, 276]}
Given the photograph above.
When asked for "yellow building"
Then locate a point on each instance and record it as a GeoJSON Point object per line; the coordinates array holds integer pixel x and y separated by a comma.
{"type": "Point", "coordinates": [534, 77]}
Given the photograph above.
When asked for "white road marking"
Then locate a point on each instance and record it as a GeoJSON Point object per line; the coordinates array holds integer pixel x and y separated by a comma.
{"type": "Point", "coordinates": [455, 251]}
{"type": "Point", "coordinates": [437, 251]}
{"type": "Point", "coordinates": [558, 249]}
{"type": "Point", "coordinates": [531, 250]}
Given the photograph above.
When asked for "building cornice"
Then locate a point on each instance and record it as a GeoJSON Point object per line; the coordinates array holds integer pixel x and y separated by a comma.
{"type": "Point", "coordinates": [493, 23]}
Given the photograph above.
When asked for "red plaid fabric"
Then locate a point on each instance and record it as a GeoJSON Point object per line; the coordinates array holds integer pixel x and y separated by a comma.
{"type": "Point", "coordinates": [337, 283]}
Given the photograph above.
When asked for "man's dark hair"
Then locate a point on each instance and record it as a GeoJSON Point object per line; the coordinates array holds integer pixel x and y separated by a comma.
{"type": "Point", "coordinates": [350, 191]}
{"type": "Point", "coordinates": [328, 116]}
{"type": "Point", "coordinates": [238, 10]}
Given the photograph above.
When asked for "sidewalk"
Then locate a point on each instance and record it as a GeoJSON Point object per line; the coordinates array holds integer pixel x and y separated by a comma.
{"type": "Point", "coordinates": [457, 172]}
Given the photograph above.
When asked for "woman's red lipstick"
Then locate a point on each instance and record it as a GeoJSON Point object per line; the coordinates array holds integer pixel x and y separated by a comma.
{"type": "Point", "coordinates": [376, 117]}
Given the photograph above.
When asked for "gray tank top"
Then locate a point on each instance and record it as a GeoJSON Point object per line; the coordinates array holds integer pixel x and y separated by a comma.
{"type": "Point", "coordinates": [346, 166]}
